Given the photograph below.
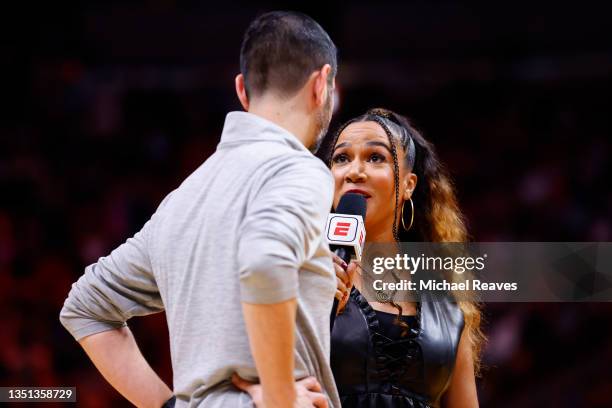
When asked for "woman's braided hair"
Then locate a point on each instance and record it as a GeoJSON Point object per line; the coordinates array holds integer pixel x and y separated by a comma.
{"type": "Point", "coordinates": [386, 120]}
{"type": "Point", "coordinates": [440, 219]}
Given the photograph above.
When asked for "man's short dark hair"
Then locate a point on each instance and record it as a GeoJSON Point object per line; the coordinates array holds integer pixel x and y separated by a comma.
{"type": "Point", "coordinates": [281, 49]}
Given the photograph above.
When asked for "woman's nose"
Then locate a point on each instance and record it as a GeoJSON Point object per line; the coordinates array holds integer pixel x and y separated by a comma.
{"type": "Point", "coordinates": [356, 172]}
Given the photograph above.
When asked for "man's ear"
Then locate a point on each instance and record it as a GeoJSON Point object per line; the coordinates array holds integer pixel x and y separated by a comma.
{"type": "Point", "coordinates": [320, 91]}
{"type": "Point", "coordinates": [241, 92]}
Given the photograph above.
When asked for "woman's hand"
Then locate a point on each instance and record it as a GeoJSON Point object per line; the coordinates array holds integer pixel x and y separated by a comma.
{"type": "Point", "coordinates": [307, 390]}
{"type": "Point", "coordinates": [345, 276]}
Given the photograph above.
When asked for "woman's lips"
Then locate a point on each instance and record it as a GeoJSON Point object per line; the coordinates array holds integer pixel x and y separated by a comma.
{"type": "Point", "coordinates": [356, 191]}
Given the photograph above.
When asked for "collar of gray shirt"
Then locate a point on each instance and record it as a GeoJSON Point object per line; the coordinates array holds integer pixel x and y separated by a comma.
{"type": "Point", "coordinates": [243, 127]}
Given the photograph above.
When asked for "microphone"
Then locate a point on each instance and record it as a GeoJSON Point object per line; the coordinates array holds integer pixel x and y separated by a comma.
{"type": "Point", "coordinates": [345, 232]}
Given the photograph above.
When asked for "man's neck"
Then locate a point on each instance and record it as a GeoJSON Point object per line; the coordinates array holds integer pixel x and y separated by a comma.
{"type": "Point", "coordinates": [287, 115]}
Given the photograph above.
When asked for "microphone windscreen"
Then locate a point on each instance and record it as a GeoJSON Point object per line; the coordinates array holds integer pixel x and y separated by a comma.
{"type": "Point", "coordinates": [352, 203]}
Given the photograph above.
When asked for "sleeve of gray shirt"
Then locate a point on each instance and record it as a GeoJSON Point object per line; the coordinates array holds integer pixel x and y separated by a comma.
{"type": "Point", "coordinates": [113, 290]}
{"type": "Point", "coordinates": [282, 228]}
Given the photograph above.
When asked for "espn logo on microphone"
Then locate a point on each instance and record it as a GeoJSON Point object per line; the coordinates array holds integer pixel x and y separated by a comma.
{"type": "Point", "coordinates": [346, 230]}
{"type": "Point", "coordinates": [342, 229]}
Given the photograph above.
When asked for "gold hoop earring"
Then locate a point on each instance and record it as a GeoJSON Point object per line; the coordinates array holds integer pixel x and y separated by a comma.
{"type": "Point", "coordinates": [411, 216]}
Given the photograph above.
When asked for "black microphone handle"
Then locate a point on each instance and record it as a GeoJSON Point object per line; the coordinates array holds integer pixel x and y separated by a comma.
{"type": "Point", "coordinates": [345, 254]}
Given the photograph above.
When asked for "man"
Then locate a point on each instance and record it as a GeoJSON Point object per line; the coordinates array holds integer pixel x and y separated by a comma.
{"type": "Point", "coordinates": [236, 254]}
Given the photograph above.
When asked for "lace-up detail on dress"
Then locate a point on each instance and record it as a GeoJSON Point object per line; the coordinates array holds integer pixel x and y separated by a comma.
{"type": "Point", "coordinates": [375, 366]}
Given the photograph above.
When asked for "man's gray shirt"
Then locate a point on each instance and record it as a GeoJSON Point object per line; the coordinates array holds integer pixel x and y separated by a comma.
{"type": "Point", "coordinates": [246, 226]}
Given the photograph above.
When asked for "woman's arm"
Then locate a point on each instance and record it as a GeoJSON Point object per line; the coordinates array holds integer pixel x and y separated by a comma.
{"type": "Point", "coordinates": [461, 392]}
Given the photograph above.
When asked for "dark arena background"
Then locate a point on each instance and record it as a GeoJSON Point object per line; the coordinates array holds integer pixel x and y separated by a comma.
{"type": "Point", "coordinates": [108, 105]}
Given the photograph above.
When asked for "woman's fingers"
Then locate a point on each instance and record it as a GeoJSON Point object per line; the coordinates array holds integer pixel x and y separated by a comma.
{"type": "Point", "coordinates": [351, 271]}
{"type": "Point", "coordinates": [339, 261]}
{"type": "Point", "coordinates": [341, 274]}
{"type": "Point", "coordinates": [345, 276]}
{"type": "Point", "coordinates": [339, 295]}
{"type": "Point", "coordinates": [341, 286]}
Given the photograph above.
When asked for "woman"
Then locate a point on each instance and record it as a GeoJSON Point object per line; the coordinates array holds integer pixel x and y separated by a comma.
{"type": "Point", "coordinates": [399, 354]}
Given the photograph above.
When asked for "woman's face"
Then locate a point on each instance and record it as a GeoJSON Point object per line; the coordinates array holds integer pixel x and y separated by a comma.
{"type": "Point", "coordinates": [362, 163]}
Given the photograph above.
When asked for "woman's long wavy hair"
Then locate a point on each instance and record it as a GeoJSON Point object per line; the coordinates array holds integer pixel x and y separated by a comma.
{"type": "Point", "coordinates": [437, 216]}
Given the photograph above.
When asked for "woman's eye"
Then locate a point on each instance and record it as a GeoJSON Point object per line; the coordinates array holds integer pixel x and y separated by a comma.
{"type": "Point", "coordinates": [339, 158]}
{"type": "Point", "coordinates": [377, 158]}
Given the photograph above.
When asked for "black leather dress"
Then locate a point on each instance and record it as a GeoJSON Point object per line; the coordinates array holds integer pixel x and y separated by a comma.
{"type": "Point", "coordinates": [374, 366]}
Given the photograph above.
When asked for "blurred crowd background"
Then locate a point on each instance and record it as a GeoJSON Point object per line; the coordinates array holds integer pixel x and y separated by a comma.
{"type": "Point", "coordinates": [110, 104]}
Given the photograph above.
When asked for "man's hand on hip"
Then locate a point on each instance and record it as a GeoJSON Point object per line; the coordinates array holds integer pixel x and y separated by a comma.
{"type": "Point", "coordinates": [308, 391]}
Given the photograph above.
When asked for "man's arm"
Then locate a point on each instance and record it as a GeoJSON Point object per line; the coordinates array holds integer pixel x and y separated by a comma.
{"type": "Point", "coordinates": [270, 329]}
{"type": "Point", "coordinates": [118, 358]}
{"type": "Point", "coordinates": [109, 293]}
{"type": "Point", "coordinates": [281, 230]}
